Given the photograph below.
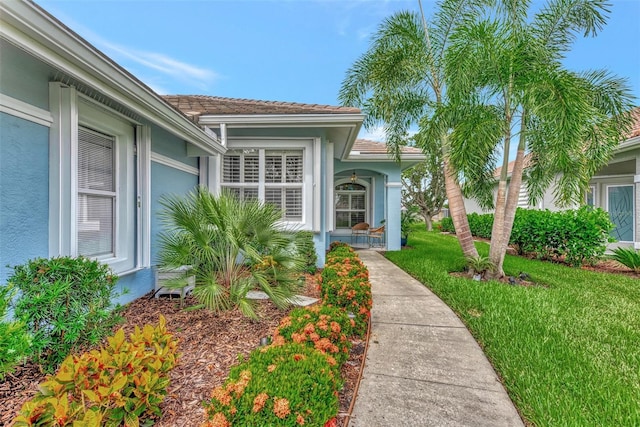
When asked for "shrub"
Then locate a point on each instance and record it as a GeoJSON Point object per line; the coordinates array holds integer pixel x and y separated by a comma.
{"type": "Point", "coordinates": [481, 225]}
{"type": "Point", "coordinates": [307, 251]}
{"type": "Point", "coordinates": [628, 257]}
{"type": "Point", "coordinates": [15, 341]}
{"type": "Point", "coordinates": [121, 383]}
{"type": "Point", "coordinates": [287, 385]}
{"type": "Point", "coordinates": [446, 225]}
{"type": "Point", "coordinates": [232, 246]}
{"type": "Point", "coordinates": [577, 235]}
{"type": "Point", "coordinates": [65, 303]}
{"type": "Point", "coordinates": [324, 328]}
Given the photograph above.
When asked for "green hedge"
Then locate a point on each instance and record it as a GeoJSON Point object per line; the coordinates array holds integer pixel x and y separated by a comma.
{"type": "Point", "coordinates": [577, 236]}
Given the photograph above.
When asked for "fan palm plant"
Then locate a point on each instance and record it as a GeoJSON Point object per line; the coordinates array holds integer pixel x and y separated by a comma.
{"type": "Point", "coordinates": [231, 246]}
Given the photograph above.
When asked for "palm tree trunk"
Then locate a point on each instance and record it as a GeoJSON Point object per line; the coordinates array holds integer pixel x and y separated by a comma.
{"type": "Point", "coordinates": [513, 194]}
{"type": "Point", "coordinates": [458, 212]}
{"type": "Point", "coordinates": [497, 231]}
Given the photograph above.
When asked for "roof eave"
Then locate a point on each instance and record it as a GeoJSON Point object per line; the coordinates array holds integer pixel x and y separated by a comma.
{"type": "Point", "coordinates": [262, 120]}
{"type": "Point", "coordinates": [409, 159]}
{"type": "Point", "coordinates": [29, 27]}
{"type": "Point", "coordinates": [629, 144]}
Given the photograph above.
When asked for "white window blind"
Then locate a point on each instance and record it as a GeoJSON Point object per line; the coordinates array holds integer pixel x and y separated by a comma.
{"type": "Point", "coordinates": [96, 193]}
{"type": "Point", "coordinates": [278, 174]}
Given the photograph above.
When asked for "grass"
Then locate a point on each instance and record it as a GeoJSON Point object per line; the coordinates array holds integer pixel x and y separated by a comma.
{"type": "Point", "coordinates": [568, 352]}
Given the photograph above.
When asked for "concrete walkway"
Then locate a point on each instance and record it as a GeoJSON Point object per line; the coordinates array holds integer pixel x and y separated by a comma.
{"type": "Point", "coordinates": [423, 367]}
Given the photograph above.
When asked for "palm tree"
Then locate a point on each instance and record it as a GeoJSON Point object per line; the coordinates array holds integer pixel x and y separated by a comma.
{"type": "Point", "coordinates": [231, 246]}
{"type": "Point", "coordinates": [507, 82]}
{"type": "Point", "coordinates": [400, 81]}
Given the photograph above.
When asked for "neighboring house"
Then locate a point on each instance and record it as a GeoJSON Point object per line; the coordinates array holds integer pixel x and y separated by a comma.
{"type": "Point", "coordinates": [614, 188]}
{"type": "Point", "coordinates": [87, 151]}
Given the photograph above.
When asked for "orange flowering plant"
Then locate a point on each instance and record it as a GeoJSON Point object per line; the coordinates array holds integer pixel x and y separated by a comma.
{"type": "Point", "coordinates": [324, 328]}
{"type": "Point", "coordinates": [345, 284]}
{"type": "Point", "coordinates": [286, 385]}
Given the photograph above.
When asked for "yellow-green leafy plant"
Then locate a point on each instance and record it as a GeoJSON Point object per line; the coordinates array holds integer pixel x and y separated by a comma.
{"type": "Point", "coordinates": [15, 341]}
{"type": "Point", "coordinates": [123, 382]}
{"type": "Point", "coordinates": [287, 385]}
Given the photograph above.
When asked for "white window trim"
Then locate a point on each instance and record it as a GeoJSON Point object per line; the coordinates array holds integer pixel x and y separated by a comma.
{"type": "Point", "coordinates": [633, 208]}
{"type": "Point", "coordinates": [368, 197]}
{"type": "Point", "coordinates": [311, 194]}
{"type": "Point", "coordinates": [594, 192]}
{"type": "Point", "coordinates": [69, 110]}
{"type": "Point", "coordinates": [23, 110]}
{"type": "Point", "coordinates": [175, 164]}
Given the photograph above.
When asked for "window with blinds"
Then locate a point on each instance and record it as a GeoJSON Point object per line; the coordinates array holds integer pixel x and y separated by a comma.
{"type": "Point", "coordinates": [96, 193]}
{"type": "Point", "coordinates": [277, 175]}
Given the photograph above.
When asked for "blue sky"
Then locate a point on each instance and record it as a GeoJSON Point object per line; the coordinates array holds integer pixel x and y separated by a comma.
{"type": "Point", "coordinates": [293, 50]}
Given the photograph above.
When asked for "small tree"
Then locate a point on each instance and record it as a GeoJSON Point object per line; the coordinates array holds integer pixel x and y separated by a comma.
{"type": "Point", "coordinates": [423, 185]}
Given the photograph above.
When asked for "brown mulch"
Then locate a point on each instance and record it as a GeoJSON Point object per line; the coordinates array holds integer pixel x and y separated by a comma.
{"type": "Point", "coordinates": [209, 345]}
{"type": "Point", "coordinates": [611, 266]}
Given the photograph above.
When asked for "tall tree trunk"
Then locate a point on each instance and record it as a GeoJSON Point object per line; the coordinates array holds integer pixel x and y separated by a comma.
{"type": "Point", "coordinates": [428, 222]}
{"type": "Point", "coordinates": [513, 194]}
{"type": "Point", "coordinates": [458, 212]}
{"type": "Point", "coordinates": [497, 231]}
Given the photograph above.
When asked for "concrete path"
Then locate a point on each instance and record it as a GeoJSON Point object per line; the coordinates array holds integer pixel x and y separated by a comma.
{"type": "Point", "coordinates": [423, 367]}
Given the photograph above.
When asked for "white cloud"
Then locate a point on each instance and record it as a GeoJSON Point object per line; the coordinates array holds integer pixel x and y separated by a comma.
{"type": "Point", "coordinates": [156, 67]}
{"type": "Point", "coordinates": [376, 133]}
{"type": "Point", "coordinates": [200, 77]}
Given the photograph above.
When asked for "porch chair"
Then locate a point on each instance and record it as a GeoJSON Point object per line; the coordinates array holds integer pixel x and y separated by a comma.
{"type": "Point", "coordinates": [376, 234]}
{"type": "Point", "coordinates": [358, 230]}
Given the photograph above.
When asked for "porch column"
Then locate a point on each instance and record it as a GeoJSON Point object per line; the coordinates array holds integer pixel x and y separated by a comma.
{"type": "Point", "coordinates": [394, 204]}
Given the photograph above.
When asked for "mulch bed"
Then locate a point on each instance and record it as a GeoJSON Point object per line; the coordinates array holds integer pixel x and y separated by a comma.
{"type": "Point", "coordinates": [209, 345]}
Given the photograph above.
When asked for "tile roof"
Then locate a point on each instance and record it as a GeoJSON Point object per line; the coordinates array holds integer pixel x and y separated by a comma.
{"type": "Point", "coordinates": [365, 146]}
{"type": "Point", "coordinates": [498, 170]}
{"type": "Point", "coordinates": [200, 105]}
{"type": "Point", "coordinates": [635, 128]}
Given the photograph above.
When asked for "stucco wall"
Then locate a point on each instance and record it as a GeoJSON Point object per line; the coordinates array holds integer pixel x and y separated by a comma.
{"type": "Point", "coordinates": [24, 192]}
{"type": "Point", "coordinates": [165, 180]}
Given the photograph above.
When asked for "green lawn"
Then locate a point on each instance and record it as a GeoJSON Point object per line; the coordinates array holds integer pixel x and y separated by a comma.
{"type": "Point", "coordinates": [568, 353]}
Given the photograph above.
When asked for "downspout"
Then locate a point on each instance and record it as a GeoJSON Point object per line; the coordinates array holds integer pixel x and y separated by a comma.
{"type": "Point", "coordinates": [223, 134]}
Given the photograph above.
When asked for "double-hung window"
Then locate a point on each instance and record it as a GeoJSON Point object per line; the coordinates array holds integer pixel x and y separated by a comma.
{"type": "Point", "coordinates": [97, 194]}
{"type": "Point", "coordinates": [93, 199]}
{"type": "Point", "coordinates": [273, 176]}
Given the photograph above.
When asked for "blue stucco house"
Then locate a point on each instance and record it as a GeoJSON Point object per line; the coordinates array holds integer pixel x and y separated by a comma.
{"type": "Point", "coordinates": [87, 150]}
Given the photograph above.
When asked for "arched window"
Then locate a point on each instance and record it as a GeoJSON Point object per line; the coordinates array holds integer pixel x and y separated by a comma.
{"type": "Point", "coordinates": [351, 204]}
